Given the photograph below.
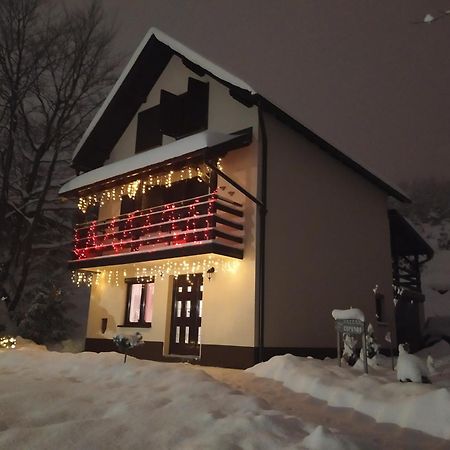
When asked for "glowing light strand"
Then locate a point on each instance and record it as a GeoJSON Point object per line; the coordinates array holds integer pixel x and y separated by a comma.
{"type": "Point", "coordinates": [131, 189]}
{"type": "Point", "coordinates": [174, 267]}
{"type": "Point", "coordinates": [179, 223]}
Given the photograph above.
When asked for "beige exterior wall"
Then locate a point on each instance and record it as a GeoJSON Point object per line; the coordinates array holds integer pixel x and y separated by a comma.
{"type": "Point", "coordinates": [327, 242]}
{"type": "Point", "coordinates": [229, 306]}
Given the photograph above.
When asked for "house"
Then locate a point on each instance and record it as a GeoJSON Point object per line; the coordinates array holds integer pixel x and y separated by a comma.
{"type": "Point", "coordinates": [218, 226]}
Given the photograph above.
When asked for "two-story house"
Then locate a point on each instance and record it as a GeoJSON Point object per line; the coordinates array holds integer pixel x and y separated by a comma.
{"type": "Point", "coordinates": [216, 224]}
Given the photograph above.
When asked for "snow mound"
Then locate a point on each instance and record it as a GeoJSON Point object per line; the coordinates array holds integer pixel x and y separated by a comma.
{"type": "Point", "coordinates": [320, 439]}
{"type": "Point", "coordinates": [422, 407]}
{"type": "Point", "coordinates": [410, 367]}
{"type": "Point", "coordinates": [87, 400]}
{"type": "Point", "coordinates": [352, 313]}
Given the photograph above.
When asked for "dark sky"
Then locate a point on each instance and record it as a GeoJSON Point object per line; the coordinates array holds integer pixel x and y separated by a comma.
{"type": "Point", "coordinates": [361, 74]}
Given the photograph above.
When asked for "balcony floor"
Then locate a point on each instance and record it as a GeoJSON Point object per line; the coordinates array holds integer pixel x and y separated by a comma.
{"type": "Point", "coordinates": [164, 253]}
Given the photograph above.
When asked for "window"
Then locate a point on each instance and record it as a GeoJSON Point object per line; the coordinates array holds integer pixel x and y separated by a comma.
{"type": "Point", "coordinates": [139, 308]}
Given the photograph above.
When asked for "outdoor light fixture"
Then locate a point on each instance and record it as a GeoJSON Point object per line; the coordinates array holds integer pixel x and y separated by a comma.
{"type": "Point", "coordinates": [104, 324]}
{"type": "Point", "coordinates": [209, 272]}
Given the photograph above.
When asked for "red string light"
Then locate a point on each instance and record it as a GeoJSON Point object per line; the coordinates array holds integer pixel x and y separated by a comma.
{"type": "Point", "coordinates": [184, 222]}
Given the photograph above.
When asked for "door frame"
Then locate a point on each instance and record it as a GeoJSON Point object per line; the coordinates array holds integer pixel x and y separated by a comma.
{"type": "Point", "coordinates": [197, 283]}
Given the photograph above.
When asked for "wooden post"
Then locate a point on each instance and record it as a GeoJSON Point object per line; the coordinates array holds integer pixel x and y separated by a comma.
{"type": "Point", "coordinates": [366, 368]}
{"type": "Point", "coordinates": [338, 347]}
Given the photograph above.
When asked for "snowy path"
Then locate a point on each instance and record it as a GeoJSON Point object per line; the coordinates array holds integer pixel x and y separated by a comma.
{"type": "Point", "coordinates": [347, 421]}
{"type": "Point", "coordinates": [52, 400]}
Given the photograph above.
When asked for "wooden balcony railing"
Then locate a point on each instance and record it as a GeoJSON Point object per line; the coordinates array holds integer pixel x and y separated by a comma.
{"type": "Point", "coordinates": [195, 221]}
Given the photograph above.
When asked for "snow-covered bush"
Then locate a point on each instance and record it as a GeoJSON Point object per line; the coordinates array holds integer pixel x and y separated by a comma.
{"type": "Point", "coordinates": [372, 346]}
{"type": "Point", "coordinates": [45, 319]}
{"type": "Point", "coordinates": [350, 353]}
{"type": "Point", "coordinates": [125, 342]}
{"type": "Point", "coordinates": [411, 367]}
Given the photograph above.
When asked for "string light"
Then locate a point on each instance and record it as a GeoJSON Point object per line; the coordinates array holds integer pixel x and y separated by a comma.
{"type": "Point", "coordinates": [7, 342]}
{"type": "Point", "coordinates": [191, 221]}
{"type": "Point", "coordinates": [173, 267]}
{"type": "Point", "coordinates": [82, 277]}
{"type": "Point", "coordinates": [131, 189]}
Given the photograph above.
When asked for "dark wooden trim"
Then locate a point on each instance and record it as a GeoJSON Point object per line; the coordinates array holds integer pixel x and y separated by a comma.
{"type": "Point", "coordinates": [193, 321]}
{"type": "Point", "coordinates": [180, 204]}
{"type": "Point", "coordinates": [136, 325]}
{"type": "Point", "coordinates": [211, 355]}
{"type": "Point", "coordinates": [149, 350]}
{"type": "Point", "coordinates": [173, 252]}
{"type": "Point", "coordinates": [231, 356]}
{"type": "Point", "coordinates": [131, 94]}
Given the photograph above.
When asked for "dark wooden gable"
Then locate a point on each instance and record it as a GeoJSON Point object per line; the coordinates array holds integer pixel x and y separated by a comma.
{"type": "Point", "coordinates": [177, 116]}
{"type": "Point", "coordinates": [185, 114]}
{"type": "Point", "coordinates": [149, 133]}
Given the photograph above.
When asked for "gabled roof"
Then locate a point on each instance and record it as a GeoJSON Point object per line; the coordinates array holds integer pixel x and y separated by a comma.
{"type": "Point", "coordinates": [405, 239]}
{"type": "Point", "coordinates": [140, 75]}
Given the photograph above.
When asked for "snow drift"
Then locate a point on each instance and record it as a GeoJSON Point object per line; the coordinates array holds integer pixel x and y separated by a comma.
{"type": "Point", "coordinates": [79, 401]}
{"type": "Point", "coordinates": [418, 406]}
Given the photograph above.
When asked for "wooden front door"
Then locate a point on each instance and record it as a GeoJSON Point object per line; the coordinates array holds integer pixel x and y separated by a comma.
{"type": "Point", "coordinates": [185, 332]}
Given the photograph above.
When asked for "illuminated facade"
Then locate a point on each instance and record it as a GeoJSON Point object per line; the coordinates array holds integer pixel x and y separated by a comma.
{"type": "Point", "coordinates": [213, 223]}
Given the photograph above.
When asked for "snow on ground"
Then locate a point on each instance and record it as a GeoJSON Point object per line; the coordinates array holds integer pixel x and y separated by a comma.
{"type": "Point", "coordinates": [55, 400]}
{"type": "Point", "coordinates": [423, 407]}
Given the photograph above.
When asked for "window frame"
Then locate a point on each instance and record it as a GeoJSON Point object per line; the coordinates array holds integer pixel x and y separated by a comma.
{"type": "Point", "coordinates": [141, 323]}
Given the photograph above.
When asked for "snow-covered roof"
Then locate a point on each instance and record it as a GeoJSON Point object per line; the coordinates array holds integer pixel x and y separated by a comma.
{"type": "Point", "coordinates": [138, 78]}
{"type": "Point", "coordinates": [176, 46]}
{"type": "Point", "coordinates": [165, 153]}
{"type": "Point", "coordinates": [345, 314]}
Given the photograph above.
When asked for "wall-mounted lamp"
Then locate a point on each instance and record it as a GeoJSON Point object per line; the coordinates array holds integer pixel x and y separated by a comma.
{"type": "Point", "coordinates": [104, 324]}
{"type": "Point", "coordinates": [209, 272]}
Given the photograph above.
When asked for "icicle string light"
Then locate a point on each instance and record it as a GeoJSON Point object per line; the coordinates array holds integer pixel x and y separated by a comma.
{"type": "Point", "coordinates": [175, 267]}
{"type": "Point", "coordinates": [131, 189]}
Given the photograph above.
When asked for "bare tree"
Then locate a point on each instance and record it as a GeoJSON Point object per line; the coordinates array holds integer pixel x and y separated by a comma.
{"type": "Point", "coordinates": [55, 67]}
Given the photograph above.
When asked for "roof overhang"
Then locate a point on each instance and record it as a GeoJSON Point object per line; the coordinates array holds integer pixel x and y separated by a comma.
{"type": "Point", "coordinates": [207, 144]}
{"type": "Point", "coordinates": [405, 240]}
{"type": "Point", "coordinates": [138, 78]}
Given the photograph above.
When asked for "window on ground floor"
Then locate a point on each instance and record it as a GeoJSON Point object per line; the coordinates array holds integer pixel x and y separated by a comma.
{"type": "Point", "coordinates": [139, 307]}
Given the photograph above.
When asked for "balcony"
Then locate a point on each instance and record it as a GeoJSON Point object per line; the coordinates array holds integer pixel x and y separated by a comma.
{"type": "Point", "coordinates": [199, 225]}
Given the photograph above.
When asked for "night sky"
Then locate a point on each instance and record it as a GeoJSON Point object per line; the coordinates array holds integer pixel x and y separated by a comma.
{"type": "Point", "coordinates": [361, 74]}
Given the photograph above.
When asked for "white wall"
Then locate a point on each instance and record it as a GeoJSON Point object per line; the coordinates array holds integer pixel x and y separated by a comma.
{"type": "Point", "coordinates": [229, 307]}
{"type": "Point", "coordinates": [110, 301]}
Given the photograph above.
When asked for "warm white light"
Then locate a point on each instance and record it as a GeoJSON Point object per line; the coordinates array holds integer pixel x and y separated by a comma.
{"type": "Point", "coordinates": [173, 267]}
{"type": "Point", "coordinates": [131, 189]}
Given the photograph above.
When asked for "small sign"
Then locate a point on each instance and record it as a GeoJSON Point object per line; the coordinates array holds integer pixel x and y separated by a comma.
{"type": "Point", "coordinates": [349, 326]}
{"type": "Point", "coordinates": [352, 327]}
